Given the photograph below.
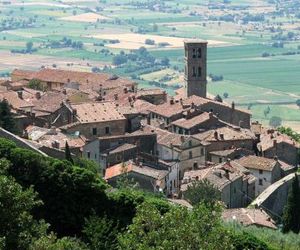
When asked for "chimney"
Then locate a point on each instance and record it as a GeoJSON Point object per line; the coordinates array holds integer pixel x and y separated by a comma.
{"type": "Point", "coordinates": [52, 131]}
{"type": "Point", "coordinates": [74, 112]}
{"type": "Point", "coordinates": [182, 139]}
{"type": "Point", "coordinates": [172, 101]}
{"type": "Point", "coordinates": [275, 158]}
{"type": "Point", "coordinates": [148, 120]}
{"type": "Point", "coordinates": [181, 101]}
{"type": "Point", "coordinates": [210, 115]}
{"type": "Point", "coordinates": [216, 135]}
{"type": "Point", "coordinates": [226, 174]}
{"type": "Point", "coordinates": [116, 96]}
{"type": "Point", "coordinates": [20, 94]}
{"type": "Point", "coordinates": [64, 91]}
{"type": "Point", "coordinates": [129, 99]}
{"type": "Point", "coordinates": [55, 144]}
{"type": "Point", "coordinates": [222, 137]}
{"type": "Point", "coordinates": [125, 90]}
{"type": "Point", "coordinates": [100, 98]}
{"type": "Point", "coordinates": [38, 95]}
{"type": "Point", "coordinates": [233, 105]}
{"type": "Point", "coordinates": [274, 143]}
{"type": "Point", "coordinates": [192, 105]}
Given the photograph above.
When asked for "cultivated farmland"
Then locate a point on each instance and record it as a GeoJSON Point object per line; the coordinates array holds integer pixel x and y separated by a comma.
{"type": "Point", "coordinates": [254, 45]}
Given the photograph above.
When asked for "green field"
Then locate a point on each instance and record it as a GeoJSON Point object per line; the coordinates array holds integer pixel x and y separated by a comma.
{"type": "Point", "coordinates": [249, 79]}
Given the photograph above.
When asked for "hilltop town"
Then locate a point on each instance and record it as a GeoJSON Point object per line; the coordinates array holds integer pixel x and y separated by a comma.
{"type": "Point", "coordinates": [164, 143]}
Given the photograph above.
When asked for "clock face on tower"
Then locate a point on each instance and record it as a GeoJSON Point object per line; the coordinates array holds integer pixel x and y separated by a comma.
{"type": "Point", "coordinates": [195, 68]}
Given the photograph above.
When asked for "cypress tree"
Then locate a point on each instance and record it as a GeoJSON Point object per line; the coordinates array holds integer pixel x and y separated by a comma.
{"type": "Point", "coordinates": [6, 119]}
{"type": "Point", "coordinates": [68, 155]}
{"type": "Point", "coordinates": [291, 212]}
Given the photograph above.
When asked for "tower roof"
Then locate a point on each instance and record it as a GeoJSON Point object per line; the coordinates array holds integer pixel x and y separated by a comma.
{"type": "Point", "coordinates": [194, 41]}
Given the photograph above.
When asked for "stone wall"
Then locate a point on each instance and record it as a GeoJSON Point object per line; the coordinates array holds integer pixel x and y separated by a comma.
{"type": "Point", "coordinates": [19, 141]}
{"type": "Point", "coordinates": [274, 198]}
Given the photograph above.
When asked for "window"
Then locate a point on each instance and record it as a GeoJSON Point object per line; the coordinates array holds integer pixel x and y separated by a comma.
{"type": "Point", "coordinates": [190, 144]}
{"type": "Point", "coordinates": [261, 171]}
{"type": "Point", "coordinates": [194, 53]}
{"type": "Point", "coordinates": [88, 154]}
{"type": "Point", "coordinates": [199, 71]}
{"type": "Point", "coordinates": [94, 131]}
{"type": "Point", "coordinates": [260, 182]}
{"type": "Point", "coordinates": [95, 156]}
{"type": "Point", "coordinates": [199, 53]}
{"type": "Point", "coordinates": [190, 154]}
{"type": "Point", "coordinates": [194, 71]}
{"type": "Point", "coordinates": [195, 165]}
{"type": "Point", "coordinates": [202, 151]}
{"type": "Point", "coordinates": [220, 160]}
{"type": "Point", "coordinates": [107, 130]}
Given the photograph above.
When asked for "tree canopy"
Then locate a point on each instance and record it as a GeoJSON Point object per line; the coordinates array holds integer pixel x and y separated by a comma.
{"type": "Point", "coordinates": [291, 213]}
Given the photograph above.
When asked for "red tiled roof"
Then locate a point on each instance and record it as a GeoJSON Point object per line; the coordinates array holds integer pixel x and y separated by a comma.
{"type": "Point", "coordinates": [83, 78]}
{"type": "Point", "coordinates": [129, 166]}
{"type": "Point", "coordinates": [249, 216]}
{"type": "Point", "coordinates": [192, 122]}
{"type": "Point", "coordinates": [97, 112]}
{"type": "Point", "coordinates": [14, 100]}
{"type": "Point", "coordinates": [228, 133]}
{"type": "Point", "coordinates": [257, 162]}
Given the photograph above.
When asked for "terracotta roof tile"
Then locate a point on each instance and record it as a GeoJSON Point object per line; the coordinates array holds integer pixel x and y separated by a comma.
{"type": "Point", "coordinates": [248, 217]}
{"type": "Point", "coordinates": [192, 122]}
{"type": "Point", "coordinates": [228, 133]}
{"type": "Point", "coordinates": [97, 112]}
{"type": "Point", "coordinates": [130, 166]}
{"type": "Point", "coordinates": [14, 100]}
{"type": "Point", "coordinates": [83, 78]}
{"type": "Point", "coordinates": [257, 162]}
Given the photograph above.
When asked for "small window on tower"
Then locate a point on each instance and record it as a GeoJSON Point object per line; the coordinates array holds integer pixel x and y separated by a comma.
{"type": "Point", "coordinates": [199, 71]}
{"type": "Point", "coordinates": [194, 71]}
{"type": "Point", "coordinates": [194, 53]}
{"type": "Point", "coordinates": [199, 54]}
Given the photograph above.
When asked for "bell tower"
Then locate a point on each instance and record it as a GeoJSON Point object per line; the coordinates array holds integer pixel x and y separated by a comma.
{"type": "Point", "coordinates": [195, 68]}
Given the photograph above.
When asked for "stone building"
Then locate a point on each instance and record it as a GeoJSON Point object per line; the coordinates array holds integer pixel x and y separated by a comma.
{"type": "Point", "coordinates": [147, 178]}
{"type": "Point", "coordinates": [274, 144]}
{"type": "Point", "coordinates": [57, 79]}
{"type": "Point", "coordinates": [226, 138]}
{"type": "Point", "coordinates": [191, 124]}
{"type": "Point", "coordinates": [54, 138]}
{"type": "Point", "coordinates": [229, 183]}
{"type": "Point", "coordinates": [96, 119]}
{"type": "Point", "coordinates": [267, 171]}
{"type": "Point", "coordinates": [188, 151]}
{"type": "Point", "coordinates": [176, 109]}
{"type": "Point", "coordinates": [232, 154]}
{"type": "Point", "coordinates": [123, 148]}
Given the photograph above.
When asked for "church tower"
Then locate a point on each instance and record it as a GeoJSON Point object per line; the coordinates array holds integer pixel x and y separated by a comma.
{"type": "Point", "coordinates": [195, 68]}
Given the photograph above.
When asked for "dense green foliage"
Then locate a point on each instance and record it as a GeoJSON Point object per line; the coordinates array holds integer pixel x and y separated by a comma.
{"type": "Point", "coordinates": [289, 132]}
{"type": "Point", "coordinates": [6, 119]}
{"type": "Point", "coordinates": [202, 191]}
{"type": "Point", "coordinates": [179, 228]}
{"type": "Point", "coordinates": [291, 212]}
{"type": "Point", "coordinates": [39, 194]}
{"type": "Point", "coordinates": [68, 155]}
{"type": "Point", "coordinates": [36, 84]}
{"type": "Point", "coordinates": [274, 238]}
{"type": "Point", "coordinates": [18, 228]}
